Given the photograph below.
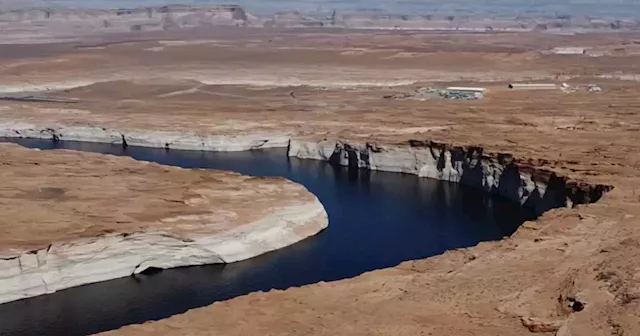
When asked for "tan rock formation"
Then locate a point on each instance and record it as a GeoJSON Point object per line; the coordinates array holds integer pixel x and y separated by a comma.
{"type": "Point", "coordinates": [71, 218]}
{"type": "Point", "coordinates": [573, 272]}
{"type": "Point", "coordinates": [531, 282]}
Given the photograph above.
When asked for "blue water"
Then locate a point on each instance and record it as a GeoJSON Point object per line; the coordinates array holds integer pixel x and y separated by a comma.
{"type": "Point", "coordinates": [376, 220]}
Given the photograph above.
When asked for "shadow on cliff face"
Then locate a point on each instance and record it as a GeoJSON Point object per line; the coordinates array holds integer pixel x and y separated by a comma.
{"type": "Point", "coordinates": [377, 220]}
{"type": "Point", "coordinates": [534, 188]}
{"type": "Point", "coordinates": [473, 175]}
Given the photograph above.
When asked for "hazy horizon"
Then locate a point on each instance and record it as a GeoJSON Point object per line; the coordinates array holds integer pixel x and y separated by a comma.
{"type": "Point", "coordinates": [615, 8]}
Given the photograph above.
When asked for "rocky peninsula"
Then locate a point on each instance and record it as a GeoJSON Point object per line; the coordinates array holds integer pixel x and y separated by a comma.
{"type": "Point", "coordinates": [321, 93]}
{"type": "Point", "coordinates": [73, 218]}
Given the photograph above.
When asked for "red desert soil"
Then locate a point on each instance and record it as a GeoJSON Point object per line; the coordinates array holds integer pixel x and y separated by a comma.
{"type": "Point", "coordinates": [572, 272]}
{"type": "Point", "coordinates": [61, 196]}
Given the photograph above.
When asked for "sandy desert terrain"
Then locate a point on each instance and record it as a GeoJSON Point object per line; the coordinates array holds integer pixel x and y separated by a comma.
{"type": "Point", "coordinates": [71, 218]}
{"type": "Point", "coordinates": [572, 272]}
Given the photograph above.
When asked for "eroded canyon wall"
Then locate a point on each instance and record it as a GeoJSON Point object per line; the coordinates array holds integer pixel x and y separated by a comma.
{"type": "Point", "coordinates": [497, 173]}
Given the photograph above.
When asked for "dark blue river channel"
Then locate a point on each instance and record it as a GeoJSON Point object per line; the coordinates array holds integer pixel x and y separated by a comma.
{"type": "Point", "coordinates": [376, 220]}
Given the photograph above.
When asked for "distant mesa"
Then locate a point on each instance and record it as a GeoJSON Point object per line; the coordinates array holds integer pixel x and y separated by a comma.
{"type": "Point", "coordinates": [172, 17]}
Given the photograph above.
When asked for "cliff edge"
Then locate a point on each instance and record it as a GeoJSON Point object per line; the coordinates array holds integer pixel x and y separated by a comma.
{"type": "Point", "coordinates": [72, 218]}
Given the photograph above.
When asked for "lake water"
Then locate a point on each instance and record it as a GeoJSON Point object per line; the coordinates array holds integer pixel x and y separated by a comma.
{"type": "Point", "coordinates": [376, 220]}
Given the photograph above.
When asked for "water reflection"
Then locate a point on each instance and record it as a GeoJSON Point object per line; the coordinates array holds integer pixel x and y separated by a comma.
{"type": "Point", "coordinates": [376, 219]}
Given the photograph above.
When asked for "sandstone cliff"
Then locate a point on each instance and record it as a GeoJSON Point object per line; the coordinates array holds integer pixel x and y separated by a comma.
{"type": "Point", "coordinates": [498, 173]}
{"type": "Point", "coordinates": [72, 218]}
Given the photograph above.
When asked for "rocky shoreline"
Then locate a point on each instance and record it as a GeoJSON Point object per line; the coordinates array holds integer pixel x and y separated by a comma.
{"type": "Point", "coordinates": [90, 260]}
{"type": "Point", "coordinates": [496, 173]}
{"type": "Point", "coordinates": [522, 182]}
{"type": "Point", "coordinates": [155, 139]}
{"type": "Point", "coordinates": [210, 227]}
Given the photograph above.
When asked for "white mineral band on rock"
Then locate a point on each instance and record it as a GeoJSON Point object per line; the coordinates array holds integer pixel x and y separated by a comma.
{"type": "Point", "coordinates": [89, 260]}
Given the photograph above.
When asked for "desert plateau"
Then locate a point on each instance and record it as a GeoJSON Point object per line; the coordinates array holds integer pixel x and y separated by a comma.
{"type": "Point", "coordinates": [392, 170]}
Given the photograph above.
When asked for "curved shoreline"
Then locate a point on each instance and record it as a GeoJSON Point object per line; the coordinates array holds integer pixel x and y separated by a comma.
{"type": "Point", "coordinates": [85, 261]}
{"type": "Point", "coordinates": [497, 173]}
{"type": "Point", "coordinates": [27, 271]}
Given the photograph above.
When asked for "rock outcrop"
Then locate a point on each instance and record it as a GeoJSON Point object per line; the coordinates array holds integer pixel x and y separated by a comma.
{"type": "Point", "coordinates": [146, 138]}
{"type": "Point", "coordinates": [520, 181]}
{"type": "Point", "coordinates": [497, 173]}
{"type": "Point", "coordinates": [72, 218]}
{"type": "Point", "coordinates": [345, 16]}
{"type": "Point", "coordinates": [151, 17]}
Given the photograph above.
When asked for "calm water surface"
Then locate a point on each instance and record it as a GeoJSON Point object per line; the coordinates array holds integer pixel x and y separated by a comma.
{"type": "Point", "coordinates": [376, 220]}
